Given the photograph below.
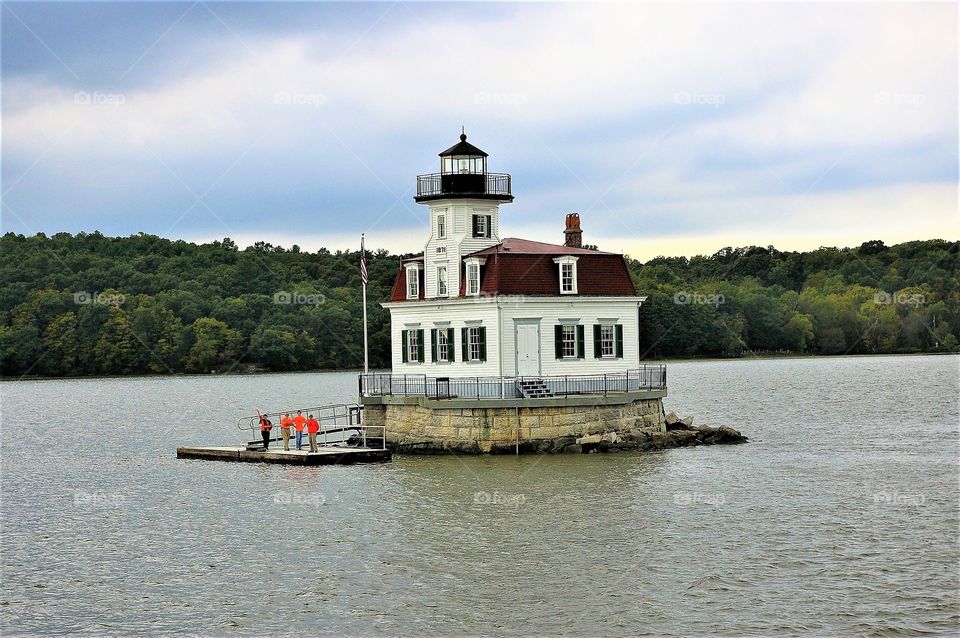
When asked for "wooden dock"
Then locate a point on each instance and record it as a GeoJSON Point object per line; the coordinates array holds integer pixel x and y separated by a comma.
{"type": "Point", "coordinates": [325, 456]}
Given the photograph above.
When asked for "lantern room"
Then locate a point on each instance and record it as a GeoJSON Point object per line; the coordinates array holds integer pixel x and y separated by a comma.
{"type": "Point", "coordinates": [463, 174]}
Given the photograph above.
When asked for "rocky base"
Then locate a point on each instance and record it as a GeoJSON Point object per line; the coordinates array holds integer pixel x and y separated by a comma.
{"type": "Point", "coordinates": [678, 436]}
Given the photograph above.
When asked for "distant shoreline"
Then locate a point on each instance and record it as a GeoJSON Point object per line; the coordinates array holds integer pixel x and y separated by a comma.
{"type": "Point", "coordinates": [253, 373]}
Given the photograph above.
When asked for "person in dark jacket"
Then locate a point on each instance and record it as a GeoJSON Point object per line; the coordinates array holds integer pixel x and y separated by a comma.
{"type": "Point", "coordinates": [265, 426]}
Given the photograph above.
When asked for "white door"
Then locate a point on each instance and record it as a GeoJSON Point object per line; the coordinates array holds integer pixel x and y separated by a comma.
{"type": "Point", "coordinates": [528, 350]}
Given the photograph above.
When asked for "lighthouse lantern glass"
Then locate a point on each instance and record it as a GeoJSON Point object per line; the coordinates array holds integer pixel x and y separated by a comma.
{"type": "Point", "coordinates": [463, 165]}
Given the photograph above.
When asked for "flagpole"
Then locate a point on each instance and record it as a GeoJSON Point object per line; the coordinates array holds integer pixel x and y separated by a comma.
{"type": "Point", "coordinates": [366, 358]}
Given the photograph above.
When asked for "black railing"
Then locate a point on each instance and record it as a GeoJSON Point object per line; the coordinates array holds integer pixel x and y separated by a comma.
{"type": "Point", "coordinates": [648, 377]}
{"type": "Point", "coordinates": [491, 184]}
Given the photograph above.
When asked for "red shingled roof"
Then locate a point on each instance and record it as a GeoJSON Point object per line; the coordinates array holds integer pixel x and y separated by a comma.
{"type": "Point", "coordinates": [523, 267]}
{"type": "Point", "coordinates": [527, 247]}
{"type": "Point", "coordinates": [535, 274]}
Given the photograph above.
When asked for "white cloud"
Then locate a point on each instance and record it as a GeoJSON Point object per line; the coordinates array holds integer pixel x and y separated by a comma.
{"type": "Point", "coordinates": [599, 83]}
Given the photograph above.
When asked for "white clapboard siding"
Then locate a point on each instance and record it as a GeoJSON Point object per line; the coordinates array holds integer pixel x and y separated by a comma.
{"type": "Point", "coordinates": [498, 315]}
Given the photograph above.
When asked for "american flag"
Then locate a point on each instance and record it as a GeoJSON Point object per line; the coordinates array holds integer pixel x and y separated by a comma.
{"type": "Point", "coordinates": [363, 263]}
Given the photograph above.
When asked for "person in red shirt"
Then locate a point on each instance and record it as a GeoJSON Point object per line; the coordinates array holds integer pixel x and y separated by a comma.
{"type": "Point", "coordinates": [298, 422]}
{"type": "Point", "coordinates": [285, 424]}
{"type": "Point", "coordinates": [313, 426]}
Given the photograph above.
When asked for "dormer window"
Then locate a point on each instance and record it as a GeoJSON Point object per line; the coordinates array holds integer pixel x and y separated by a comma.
{"type": "Point", "coordinates": [413, 281]}
{"type": "Point", "coordinates": [473, 275]}
{"type": "Point", "coordinates": [568, 274]}
{"type": "Point", "coordinates": [473, 279]}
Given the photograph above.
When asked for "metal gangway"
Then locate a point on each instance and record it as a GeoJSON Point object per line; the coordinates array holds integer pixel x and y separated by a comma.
{"type": "Point", "coordinates": [341, 425]}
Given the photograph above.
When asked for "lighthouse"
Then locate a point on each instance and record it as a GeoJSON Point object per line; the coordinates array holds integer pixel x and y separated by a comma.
{"type": "Point", "coordinates": [476, 303]}
{"type": "Point", "coordinates": [502, 343]}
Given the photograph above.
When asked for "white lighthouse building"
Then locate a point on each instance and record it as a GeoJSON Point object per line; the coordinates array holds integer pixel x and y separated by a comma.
{"type": "Point", "coordinates": [477, 304]}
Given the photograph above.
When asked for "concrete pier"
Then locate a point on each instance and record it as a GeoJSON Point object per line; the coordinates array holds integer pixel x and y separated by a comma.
{"type": "Point", "coordinates": [325, 455]}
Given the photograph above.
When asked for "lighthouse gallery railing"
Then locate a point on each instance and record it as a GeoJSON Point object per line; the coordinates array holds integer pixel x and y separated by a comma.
{"type": "Point", "coordinates": [648, 377]}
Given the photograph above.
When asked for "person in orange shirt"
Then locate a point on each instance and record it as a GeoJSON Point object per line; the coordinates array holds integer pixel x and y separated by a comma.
{"type": "Point", "coordinates": [313, 426]}
{"type": "Point", "coordinates": [285, 424]}
{"type": "Point", "coordinates": [298, 422]}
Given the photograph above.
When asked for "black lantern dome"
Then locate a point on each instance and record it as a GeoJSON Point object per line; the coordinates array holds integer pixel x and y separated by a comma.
{"type": "Point", "coordinates": [463, 174]}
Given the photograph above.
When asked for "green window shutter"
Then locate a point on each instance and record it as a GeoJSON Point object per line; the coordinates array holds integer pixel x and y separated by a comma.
{"type": "Point", "coordinates": [463, 345]}
{"type": "Point", "coordinates": [474, 218]}
{"type": "Point", "coordinates": [597, 342]}
{"type": "Point", "coordinates": [450, 345]}
{"type": "Point", "coordinates": [420, 349]}
{"type": "Point", "coordinates": [619, 337]}
{"type": "Point", "coordinates": [403, 344]}
{"type": "Point", "coordinates": [558, 341]}
{"type": "Point", "coordinates": [489, 220]}
{"type": "Point", "coordinates": [580, 341]}
{"type": "Point", "coordinates": [433, 345]}
{"type": "Point", "coordinates": [482, 335]}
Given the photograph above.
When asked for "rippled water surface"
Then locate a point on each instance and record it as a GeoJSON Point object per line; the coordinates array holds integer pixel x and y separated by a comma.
{"type": "Point", "coordinates": [840, 517]}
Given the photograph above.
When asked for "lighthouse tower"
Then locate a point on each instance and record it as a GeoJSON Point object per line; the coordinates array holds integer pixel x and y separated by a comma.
{"type": "Point", "coordinates": [464, 200]}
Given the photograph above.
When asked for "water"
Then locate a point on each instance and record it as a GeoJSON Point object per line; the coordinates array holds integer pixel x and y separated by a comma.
{"type": "Point", "coordinates": [840, 517]}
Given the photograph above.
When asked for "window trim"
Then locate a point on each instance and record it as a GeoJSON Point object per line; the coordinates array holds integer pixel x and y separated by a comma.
{"type": "Point", "coordinates": [443, 345]}
{"type": "Point", "coordinates": [572, 329]}
{"type": "Point", "coordinates": [571, 261]}
{"type": "Point", "coordinates": [473, 262]}
{"type": "Point", "coordinates": [442, 225]}
{"type": "Point", "coordinates": [605, 342]}
{"type": "Point", "coordinates": [413, 281]}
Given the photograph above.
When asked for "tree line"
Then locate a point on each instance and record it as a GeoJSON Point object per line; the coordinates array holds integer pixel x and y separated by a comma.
{"type": "Point", "coordinates": [88, 304]}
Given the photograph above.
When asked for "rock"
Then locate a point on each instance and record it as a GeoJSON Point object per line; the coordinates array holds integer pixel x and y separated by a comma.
{"type": "Point", "coordinates": [609, 437]}
{"type": "Point", "coordinates": [591, 439]}
{"type": "Point", "coordinates": [688, 421]}
{"type": "Point", "coordinates": [722, 435]}
{"type": "Point", "coordinates": [573, 449]}
{"type": "Point", "coordinates": [672, 418]}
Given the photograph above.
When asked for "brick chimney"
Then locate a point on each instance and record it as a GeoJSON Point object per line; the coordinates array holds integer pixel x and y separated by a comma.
{"type": "Point", "coordinates": [572, 235]}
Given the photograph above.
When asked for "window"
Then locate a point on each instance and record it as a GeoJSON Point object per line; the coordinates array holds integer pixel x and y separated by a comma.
{"type": "Point", "coordinates": [413, 283]}
{"type": "Point", "coordinates": [442, 344]}
{"type": "Point", "coordinates": [442, 280]}
{"type": "Point", "coordinates": [568, 341]}
{"type": "Point", "coordinates": [443, 348]}
{"type": "Point", "coordinates": [566, 278]}
{"type": "Point", "coordinates": [568, 274]}
{"type": "Point", "coordinates": [473, 279]}
{"type": "Point", "coordinates": [607, 341]}
{"type": "Point", "coordinates": [441, 226]}
{"type": "Point", "coordinates": [474, 340]}
{"type": "Point", "coordinates": [441, 250]}
{"type": "Point", "coordinates": [411, 347]}
{"type": "Point", "coordinates": [481, 225]}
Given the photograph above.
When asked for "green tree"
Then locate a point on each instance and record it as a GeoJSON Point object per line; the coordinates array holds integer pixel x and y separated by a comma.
{"type": "Point", "coordinates": [214, 345]}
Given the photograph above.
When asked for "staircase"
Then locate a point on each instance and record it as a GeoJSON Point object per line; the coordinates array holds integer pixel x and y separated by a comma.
{"type": "Point", "coordinates": [533, 389]}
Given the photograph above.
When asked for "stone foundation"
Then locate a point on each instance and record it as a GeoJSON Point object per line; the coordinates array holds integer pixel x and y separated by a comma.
{"type": "Point", "coordinates": [420, 424]}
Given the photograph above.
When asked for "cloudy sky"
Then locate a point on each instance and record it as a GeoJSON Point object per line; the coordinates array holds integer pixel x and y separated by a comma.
{"type": "Point", "coordinates": [672, 129]}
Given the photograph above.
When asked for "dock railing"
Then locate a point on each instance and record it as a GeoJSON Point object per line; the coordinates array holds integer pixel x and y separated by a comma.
{"type": "Point", "coordinates": [344, 419]}
{"type": "Point", "coordinates": [648, 377]}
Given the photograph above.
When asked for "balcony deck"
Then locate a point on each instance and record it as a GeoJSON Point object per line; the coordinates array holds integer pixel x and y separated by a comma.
{"type": "Point", "coordinates": [495, 186]}
{"type": "Point", "coordinates": [648, 378]}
